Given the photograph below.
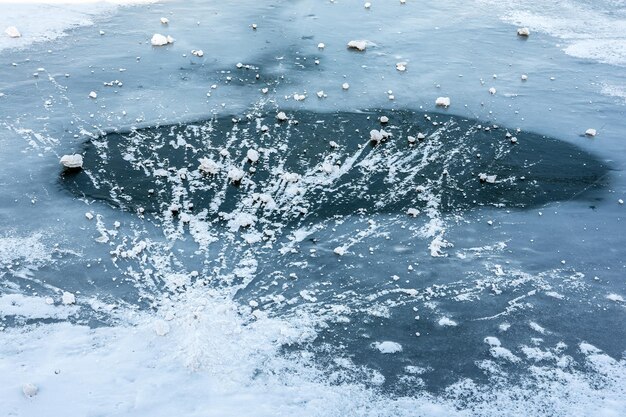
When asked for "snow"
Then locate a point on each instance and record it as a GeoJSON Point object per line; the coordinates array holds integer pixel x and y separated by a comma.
{"type": "Point", "coordinates": [72, 161]}
{"type": "Point", "coordinates": [388, 347]}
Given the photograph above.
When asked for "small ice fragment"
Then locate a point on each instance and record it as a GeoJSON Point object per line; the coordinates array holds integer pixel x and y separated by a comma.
{"type": "Point", "coordinates": [490, 179]}
{"type": "Point", "coordinates": [252, 155]}
{"type": "Point", "coordinates": [254, 26]}
{"type": "Point", "coordinates": [235, 174]}
{"type": "Point", "coordinates": [358, 45]}
{"type": "Point", "coordinates": [590, 132]}
{"type": "Point", "coordinates": [620, 201]}
{"type": "Point", "coordinates": [615, 297]}
{"type": "Point", "coordinates": [413, 212]}
{"type": "Point", "coordinates": [13, 32]}
{"type": "Point", "coordinates": [208, 166]}
{"type": "Point", "coordinates": [367, 5]}
{"type": "Point", "coordinates": [30, 390]}
{"type": "Point", "coordinates": [492, 91]}
{"type": "Point", "coordinates": [401, 66]}
{"type": "Point", "coordinates": [281, 116]}
{"type": "Point", "coordinates": [320, 94]}
{"type": "Point", "coordinates": [524, 77]}
{"type": "Point", "coordinates": [161, 328]}
{"type": "Point", "coordinates": [264, 90]}
{"type": "Point", "coordinates": [197, 52]}
{"type": "Point", "coordinates": [442, 101]}
{"type": "Point", "coordinates": [523, 32]}
{"type": "Point", "coordinates": [384, 119]}
{"type": "Point", "coordinates": [388, 347]}
{"type": "Point", "coordinates": [160, 40]}
{"type": "Point", "coordinates": [89, 215]}
{"type": "Point", "coordinates": [72, 161]}
{"type": "Point", "coordinates": [264, 128]}
{"type": "Point", "coordinates": [345, 86]}
{"type": "Point", "coordinates": [412, 139]}
{"type": "Point", "coordinates": [93, 94]}
{"type": "Point", "coordinates": [68, 298]}
{"type": "Point", "coordinates": [164, 20]}
{"type": "Point", "coordinates": [340, 250]}
{"type": "Point", "coordinates": [253, 303]}
{"type": "Point", "coordinates": [445, 321]}
{"type": "Point", "coordinates": [299, 97]}
{"type": "Point", "coordinates": [492, 341]}
{"type": "Point", "coordinates": [421, 136]}
{"type": "Point", "coordinates": [321, 45]}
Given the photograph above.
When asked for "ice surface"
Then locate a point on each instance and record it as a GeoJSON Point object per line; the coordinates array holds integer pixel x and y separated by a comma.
{"type": "Point", "coordinates": [192, 267]}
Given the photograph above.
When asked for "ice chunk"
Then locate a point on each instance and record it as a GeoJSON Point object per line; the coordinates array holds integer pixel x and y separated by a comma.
{"type": "Point", "coordinates": [299, 97]}
{"type": "Point", "coordinates": [252, 155]}
{"type": "Point", "coordinates": [209, 166]}
{"type": "Point", "coordinates": [412, 212]}
{"type": "Point", "coordinates": [160, 40]}
{"type": "Point", "coordinates": [378, 135]}
{"type": "Point", "coordinates": [321, 45]}
{"type": "Point", "coordinates": [490, 179]}
{"type": "Point", "coordinates": [197, 52]}
{"type": "Point", "coordinates": [447, 322]}
{"type": "Point", "coordinates": [401, 66]}
{"type": "Point", "coordinates": [281, 116]}
{"type": "Point", "coordinates": [72, 161]}
{"type": "Point", "coordinates": [13, 32]}
{"type": "Point", "coordinates": [29, 389]}
{"type": "Point", "coordinates": [590, 132]}
{"type": "Point", "coordinates": [384, 119]}
{"type": "Point", "coordinates": [164, 20]}
{"type": "Point", "coordinates": [340, 250]}
{"type": "Point", "coordinates": [443, 101]}
{"type": "Point", "coordinates": [492, 91]}
{"type": "Point", "coordinates": [345, 86]}
{"type": "Point", "coordinates": [492, 341]}
{"type": "Point", "coordinates": [93, 95]}
{"type": "Point", "coordinates": [358, 45]}
{"type": "Point", "coordinates": [524, 77]}
{"type": "Point", "coordinates": [161, 328]}
{"type": "Point", "coordinates": [235, 174]}
{"type": "Point", "coordinates": [523, 32]}
{"type": "Point", "coordinates": [68, 298]}
{"type": "Point", "coordinates": [367, 5]}
{"type": "Point", "coordinates": [388, 347]}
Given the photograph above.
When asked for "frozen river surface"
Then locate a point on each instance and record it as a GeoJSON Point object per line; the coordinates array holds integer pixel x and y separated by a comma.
{"type": "Point", "coordinates": [268, 222]}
